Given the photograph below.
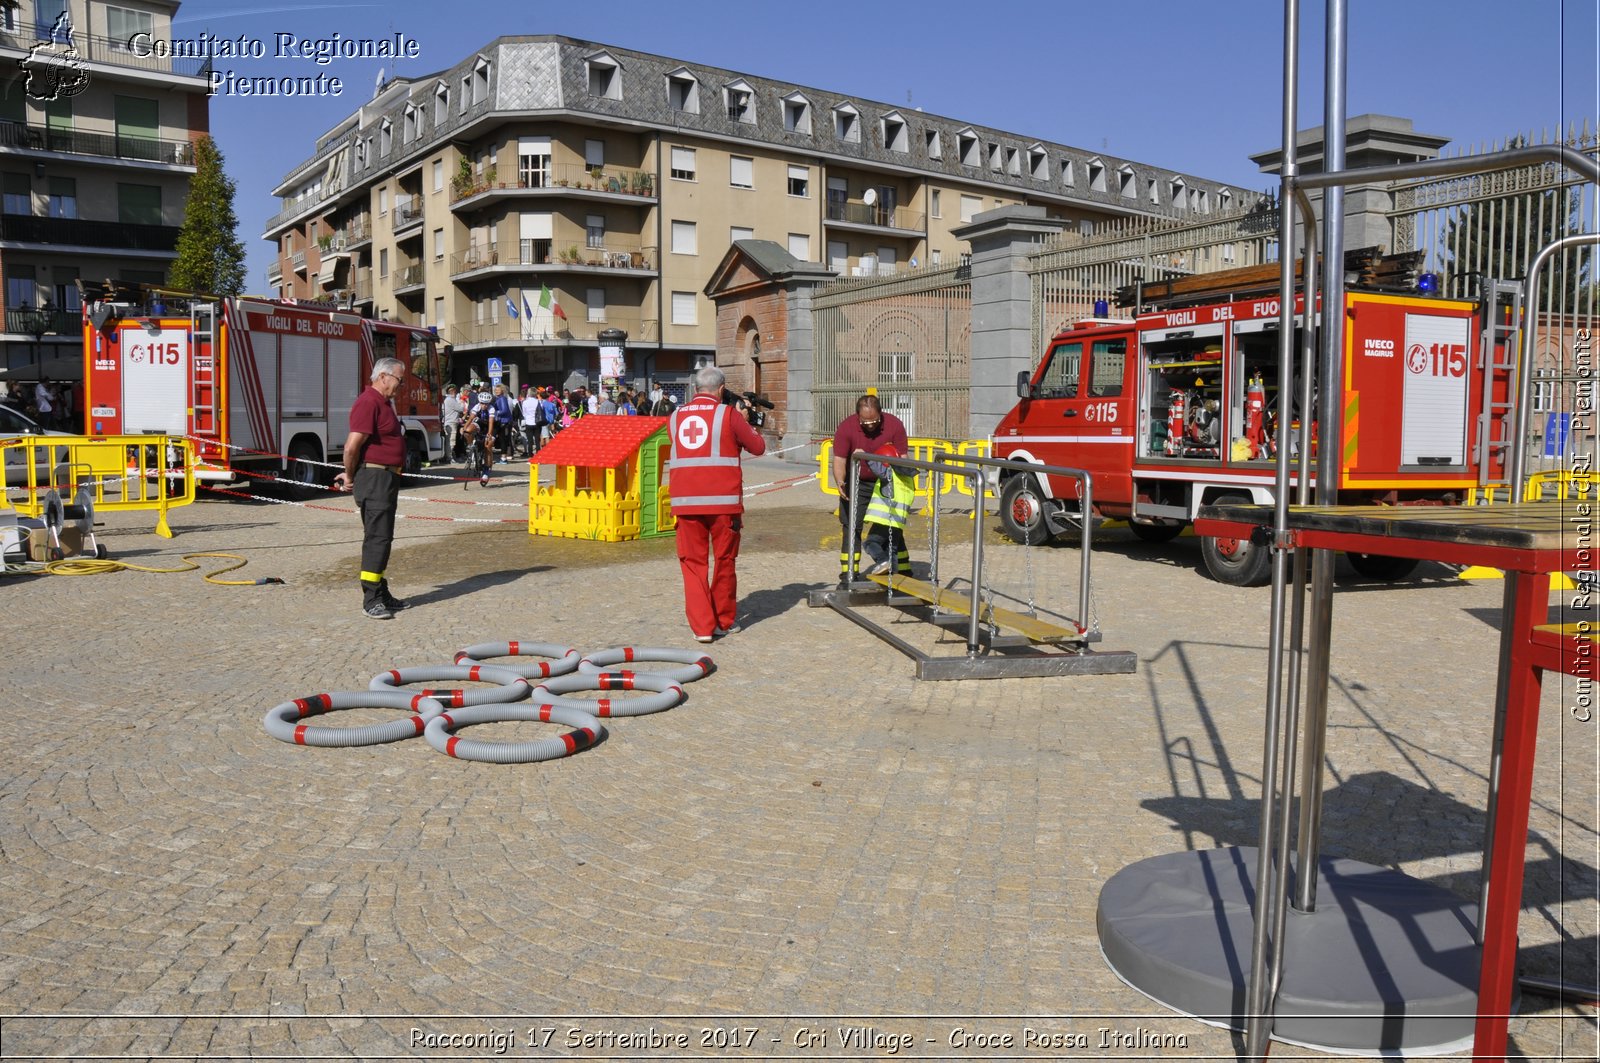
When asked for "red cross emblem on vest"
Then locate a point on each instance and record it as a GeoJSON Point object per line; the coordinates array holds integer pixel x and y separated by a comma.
{"type": "Point", "coordinates": [692, 432]}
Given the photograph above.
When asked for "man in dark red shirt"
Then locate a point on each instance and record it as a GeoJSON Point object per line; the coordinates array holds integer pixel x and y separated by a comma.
{"type": "Point", "coordinates": [374, 458]}
{"type": "Point", "coordinates": [868, 429]}
{"type": "Point", "coordinates": [707, 484]}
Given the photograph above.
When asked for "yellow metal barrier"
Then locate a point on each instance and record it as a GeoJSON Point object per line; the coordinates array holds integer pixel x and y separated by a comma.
{"type": "Point", "coordinates": [921, 449]}
{"type": "Point", "coordinates": [122, 472]}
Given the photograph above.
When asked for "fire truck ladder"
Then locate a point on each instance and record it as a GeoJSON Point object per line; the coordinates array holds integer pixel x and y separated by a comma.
{"type": "Point", "coordinates": [203, 393]}
{"type": "Point", "coordinates": [1501, 340]}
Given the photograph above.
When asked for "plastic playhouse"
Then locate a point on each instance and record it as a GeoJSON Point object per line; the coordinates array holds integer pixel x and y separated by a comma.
{"type": "Point", "coordinates": [610, 484]}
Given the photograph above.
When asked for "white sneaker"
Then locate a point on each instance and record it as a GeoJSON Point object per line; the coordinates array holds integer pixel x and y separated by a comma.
{"type": "Point", "coordinates": [880, 568]}
{"type": "Point", "coordinates": [703, 638]}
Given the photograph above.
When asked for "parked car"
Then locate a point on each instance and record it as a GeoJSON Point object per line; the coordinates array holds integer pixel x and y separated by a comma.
{"type": "Point", "coordinates": [13, 423]}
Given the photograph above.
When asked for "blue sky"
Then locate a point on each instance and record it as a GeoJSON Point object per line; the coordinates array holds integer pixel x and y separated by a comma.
{"type": "Point", "coordinates": [1196, 87]}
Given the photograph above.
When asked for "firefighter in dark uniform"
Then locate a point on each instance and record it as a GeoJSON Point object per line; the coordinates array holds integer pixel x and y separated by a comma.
{"type": "Point", "coordinates": [374, 459]}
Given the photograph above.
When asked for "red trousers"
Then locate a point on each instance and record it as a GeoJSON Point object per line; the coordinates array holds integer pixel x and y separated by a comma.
{"type": "Point", "coordinates": [709, 601]}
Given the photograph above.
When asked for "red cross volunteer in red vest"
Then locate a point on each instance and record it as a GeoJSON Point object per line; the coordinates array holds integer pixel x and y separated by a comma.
{"type": "Point", "coordinates": [708, 500]}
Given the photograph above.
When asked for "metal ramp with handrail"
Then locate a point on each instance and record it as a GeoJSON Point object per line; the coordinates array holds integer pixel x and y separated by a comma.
{"type": "Point", "coordinates": [1001, 643]}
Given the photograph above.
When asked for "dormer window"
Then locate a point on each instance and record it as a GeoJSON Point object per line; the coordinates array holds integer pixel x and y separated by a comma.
{"type": "Point", "coordinates": [1097, 175]}
{"type": "Point", "coordinates": [480, 80]}
{"type": "Point", "coordinates": [1127, 184]}
{"type": "Point", "coordinates": [847, 123]}
{"type": "Point", "coordinates": [604, 76]}
{"type": "Point", "coordinates": [1224, 199]}
{"type": "Point", "coordinates": [895, 136]}
{"type": "Point", "coordinates": [1201, 200]}
{"type": "Point", "coordinates": [1038, 163]}
{"type": "Point", "coordinates": [740, 100]}
{"type": "Point", "coordinates": [1013, 162]}
{"type": "Point", "coordinates": [1069, 178]}
{"type": "Point", "coordinates": [683, 92]}
{"type": "Point", "coordinates": [995, 163]}
{"type": "Point", "coordinates": [409, 130]}
{"type": "Point", "coordinates": [967, 148]}
{"type": "Point", "coordinates": [797, 114]}
{"type": "Point", "coordinates": [385, 137]}
{"type": "Point", "coordinates": [931, 139]}
{"type": "Point", "coordinates": [1153, 192]}
{"type": "Point", "coordinates": [441, 104]}
{"type": "Point", "coordinates": [466, 94]}
{"type": "Point", "coordinates": [1178, 192]}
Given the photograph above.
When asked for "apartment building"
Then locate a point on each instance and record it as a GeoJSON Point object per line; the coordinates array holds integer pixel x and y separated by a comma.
{"type": "Point", "coordinates": [96, 154]}
{"type": "Point", "coordinates": [609, 183]}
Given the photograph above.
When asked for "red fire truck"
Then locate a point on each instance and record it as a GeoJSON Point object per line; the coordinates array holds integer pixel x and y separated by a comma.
{"type": "Point", "coordinates": [1178, 408]}
{"type": "Point", "coordinates": [257, 384]}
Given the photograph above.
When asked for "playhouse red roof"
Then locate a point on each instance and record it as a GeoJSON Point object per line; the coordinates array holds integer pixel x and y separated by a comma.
{"type": "Point", "coordinates": [599, 441]}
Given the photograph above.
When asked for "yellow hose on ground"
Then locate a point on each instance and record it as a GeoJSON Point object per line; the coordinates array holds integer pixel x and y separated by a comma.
{"type": "Point", "coordinates": [89, 566]}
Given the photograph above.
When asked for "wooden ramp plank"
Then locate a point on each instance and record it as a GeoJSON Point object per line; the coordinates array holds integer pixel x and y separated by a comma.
{"type": "Point", "coordinates": [1031, 628]}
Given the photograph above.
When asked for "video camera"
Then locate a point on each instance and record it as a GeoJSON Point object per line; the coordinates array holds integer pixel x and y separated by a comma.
{"type": "Point", "coordinates": [756, 400]}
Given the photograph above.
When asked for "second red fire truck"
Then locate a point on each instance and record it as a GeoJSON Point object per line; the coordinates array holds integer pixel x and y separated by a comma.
{"type": "Point", "coordinates": [1179, 408]}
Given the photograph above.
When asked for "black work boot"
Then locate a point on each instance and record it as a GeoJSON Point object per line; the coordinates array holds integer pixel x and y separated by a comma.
{"type": "Point", "coordinates": [372, 601]}
{"type": "Point", "coordinates": [394, 604]}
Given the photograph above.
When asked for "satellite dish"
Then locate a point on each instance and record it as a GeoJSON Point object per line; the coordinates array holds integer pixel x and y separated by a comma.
{"type": "Point", "coordinates": [870, 196]}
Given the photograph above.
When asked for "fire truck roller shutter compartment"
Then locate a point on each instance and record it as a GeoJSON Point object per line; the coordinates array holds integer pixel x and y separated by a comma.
{"type": "Point", "coordinates": [155, 379]}
{"type": "Point", "coordinates": [344, 365]}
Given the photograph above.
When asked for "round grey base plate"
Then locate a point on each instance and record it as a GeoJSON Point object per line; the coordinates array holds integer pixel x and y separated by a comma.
{"type": "Point", "coordinates": [1386, 963]}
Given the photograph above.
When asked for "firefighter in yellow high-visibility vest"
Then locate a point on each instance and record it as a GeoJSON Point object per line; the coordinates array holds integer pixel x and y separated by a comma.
{"type": "Point", "coordinates": [886, 515]}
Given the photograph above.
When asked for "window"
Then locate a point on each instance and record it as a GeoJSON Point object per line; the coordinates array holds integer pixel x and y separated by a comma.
{"type": "Point", "coordinates": [1127, 186]}
{"type": "Point", "coordinates": [685, 240]}
{"type": "Point", "coordinates": [1013, 162]}
{"type": "Point", "coordinates": [1224, 199]}
{"type": "Point", "coordinates": [604, 77]}
{"type": "Point", "coordinates": [1068, 177]}
{"type": "Point", "coordinates": [800, 246]}
{"type": "Point", "coordinates": [683, 92]}
{"type": "Point", "coordinates": [441, 104]}
{"type": "Point", "coordinates": [438, 175]}
{"type": "Point", "coordinates": [383, 262]}
{"type": "Point", "coordinates": [408, 131]}
{"type": "Point", "coordinates": [799, 182]}
{"type": "Point", "coordinates": [533, 162]}
{"type": "Point", "coordinates": [1152, 192]}
{"type": "Point", "coordinates": [480, 80]}
{"type": "Point", "coordinates": [740, 232]}
{"type": "Point", "coordinates": [466, 94]}
{"type": "Point", "coordinates": [138, 204]}
{"type": "Point", "coordinates": [970, 205]}
{"type": "Point", "coordinates": [895, 136]}
{"type": "Point", "coordinates": [1060, 379]}
{"type": "Point", "coordinates": [933, 203]}
{"type": "Point", "coordinates": [1097, 175]}
{"type": "Point", "coordinates": [1105, 368]}
{"type": "Point", "coordinates": [438, 311]}
{"type": "Point", "coordinates": [741, 172]}
{"type": "Point", "coordinates": [685, 308]}
{"type": "Point", "coordinates": [847, 124]}
{"type": "Point", "coordinates": [797, 115]}
{"type": "Point", "coordinates": [683, 164]}
{"type": "Point", "coordinates": [1178, 193]}
{"type": "Point", "coordinates": [594, 153]}
{"type": "Point", "coordinates": [1202, 200]}
{"type": "Point", "coordinates": [438, 243]}
{"type": "Point", "coordinates": [18, 194]}
{"type": "Point", "coordinates": [935, 257]}
{"type": "Point", "coordinates": [63, 198]}
{"type": "Point", "coordinates": [740, 99]}
{"type": "Point", "coordinates": [122, 23]}
{"type": "Point", "coordinates": [385, 137]}
{"type": "Point", "coordinates": [967, 147]}
{"type": "Point", "coordinates": [931, 140]}
{"type": "Point", "coordinates": [594, 231]}
{"type": "Point", "coordinates": [595, 300]}
{"type": "Point", "coordinates": [1038, 163]}
{"type": "Point", "coordinates": [383, 202]}
{"type": "Point", "coordinates": [20, 290]}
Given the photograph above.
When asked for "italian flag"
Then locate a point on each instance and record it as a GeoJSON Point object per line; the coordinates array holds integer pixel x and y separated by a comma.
{"type": "Point", "coordinates": [548, 302]}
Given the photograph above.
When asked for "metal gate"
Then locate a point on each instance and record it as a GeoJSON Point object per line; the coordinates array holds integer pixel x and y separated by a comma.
{"type": "Point", "coordinates": [909, 336]}
{"type": "Point", "coordinates": [1488, 227]}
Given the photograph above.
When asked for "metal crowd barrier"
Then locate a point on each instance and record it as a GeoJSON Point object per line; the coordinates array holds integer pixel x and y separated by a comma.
{"type": "Point", "coordinates": [124, 472]}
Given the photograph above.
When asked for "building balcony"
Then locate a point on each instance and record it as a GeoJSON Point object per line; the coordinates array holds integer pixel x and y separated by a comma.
{"type": "Point", "coordinates": [408, 280]}
{"type": "Point", "coordinates": [615, 254]}
{"type": "Point", "coordinates": [100, 145]}
{"type": "Point", "coordinates": [34, 231]}
{"type": "Point", "coordinates": [577, 331]}
{"type": "Point", "coordinates": [275, 272]}
{"type": "Point", "coordinates": [113, 52]}
{"type": "Point", "coordinates": [44, 322]}
{"type": "Point", "coordinates": [876, 218]}
{"type": "Point", "coordinates": [356, 234]}
{"type": "Point", "coordinates": [407, 214]}
{"type": "Point", "coordinates": [614, 184]}
{"type": "Point", "coordinates": [297, 261]}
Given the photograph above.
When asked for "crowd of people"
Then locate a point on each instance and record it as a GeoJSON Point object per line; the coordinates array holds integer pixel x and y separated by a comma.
{"type": "Point", "coordinates": [478, 411]}
{"type": "Point", "coordinates": [52, 404]}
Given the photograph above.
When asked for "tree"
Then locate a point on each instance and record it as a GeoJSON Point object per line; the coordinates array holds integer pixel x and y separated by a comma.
{"type": "Point", "coordinates": [210, 254]}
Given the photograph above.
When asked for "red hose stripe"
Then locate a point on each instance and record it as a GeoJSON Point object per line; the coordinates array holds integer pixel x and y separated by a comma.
{"type": "Point", "coordinates": [588, 736]}
{"type": "Point", "coordinates": [457, 698]}
{"type": "Point", "coordinates": [416, 700]}
{"type": "Point", "coordinates": [450, 746]}
{"type": "Point", "coordinates": [544, 712]}
{"type": "Point", "coordinates": [627, 653]}
{"type": "Point", "coordinates": [544, 669]}
{"type": "Point", "coordinates": [396, 676]}
{"type": "Point", "coordinates": [570, 742]}
{"type": "Point", "coordinates": [416, 721]}
{"type": "Point", "coordinates": [461, 655]}
{"type": "Point", "coordinates": [448, 722]}
{"type": "Point", "coordinates": [515, 651]}
{"type": "Point", "coordinates": [300, 735]}
{"type": "Point", "coordinates": [705, 665]}
{"type": "Point", "coordinates": [303, 706]}
{"type": "Point", "coordinates": [472, 673]}
{"type": "Point", "coordinates": [604, 705]}
{"type": "Point", "coordinates": [429, 693]}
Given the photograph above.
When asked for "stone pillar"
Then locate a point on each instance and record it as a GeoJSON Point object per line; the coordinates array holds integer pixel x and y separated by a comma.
{"type": "Point", "coordinates": [1002, 306]}
{"type": "Point", "coordinates": [799, 426]}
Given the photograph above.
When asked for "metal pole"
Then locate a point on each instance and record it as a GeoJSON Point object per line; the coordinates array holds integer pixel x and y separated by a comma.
{"type": "Point", "coordinates": [1258, 1027]}
{"type": "Point", "coordinates": [1085, 511]}
{"type": "Point", "coordinates": [850, 535]}
{"type": "Point", "coordinates": [977, 569]}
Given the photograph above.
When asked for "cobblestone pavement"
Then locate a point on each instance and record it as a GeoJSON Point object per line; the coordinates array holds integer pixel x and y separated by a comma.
{"type": "Point", "coordinates": [814, 846]}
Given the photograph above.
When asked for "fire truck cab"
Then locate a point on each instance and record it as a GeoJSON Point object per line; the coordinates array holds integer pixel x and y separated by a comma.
{"type": "Point", "coordinates": [1179, 408]}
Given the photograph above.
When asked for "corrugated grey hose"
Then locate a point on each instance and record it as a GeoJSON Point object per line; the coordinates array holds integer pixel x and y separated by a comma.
{"type": "Point", "coordinates": [282, 723]}
{"type": "Point", "coordinates": [697, 664]}
{"type": "Point", "coordinates": [586, 732]}
{"type": "Point", "coordinates": [566, 657]}
{"type": "Point", "coordinates": [513, 687]}
{"type": "Point", "coordinates": [668, 693]}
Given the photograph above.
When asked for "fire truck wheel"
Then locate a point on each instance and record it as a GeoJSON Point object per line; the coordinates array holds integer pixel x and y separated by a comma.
{"type": "Point", "coordinates": [1236, 562]}
{"type": "Point", "coordinates": [416, 455]}
{"type": "Point", "coordinates": [1155, 533]}
{"type": "Point", "coordinates": [1381, 567]}
{"type": "Point", "coordinates": [308, 476]}
{"type": "Point", "coordinates": [1022, 511]}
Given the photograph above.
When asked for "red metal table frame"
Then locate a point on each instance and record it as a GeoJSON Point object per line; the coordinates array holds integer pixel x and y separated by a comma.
{"type": "Point", "coordinates": [1528, 541]}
